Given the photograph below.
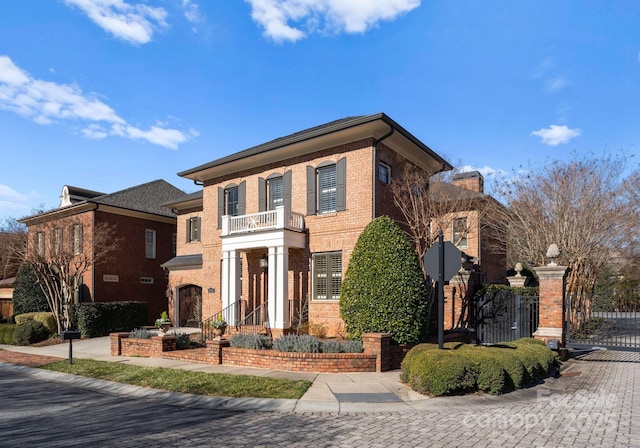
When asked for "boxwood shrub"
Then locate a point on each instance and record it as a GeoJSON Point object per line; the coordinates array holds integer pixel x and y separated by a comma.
{"type": "Point", "coordinates": [30, 332]}
{"type": "Point", "coordinates": [43, 316]}
{"type": "Point", "coordinates": [464, 368]}
{"type": "Point", "coordinates": [6, 333]}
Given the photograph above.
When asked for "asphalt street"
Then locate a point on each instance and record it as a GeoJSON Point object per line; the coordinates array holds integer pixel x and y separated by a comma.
{"type": "Point", "coordinates": [597, 404]}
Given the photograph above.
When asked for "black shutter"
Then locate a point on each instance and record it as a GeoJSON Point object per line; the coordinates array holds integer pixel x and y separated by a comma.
{"type": "Point", "coordinates": [286, 190]}
{"type": "Point", "coordinates": [311, 190]}
{"type": "Point", "coordinates": [262, 194]}
{"type": "Point", "coordinates": [242, 198]}
{"type": "Point", "coordinates": [341, 185]}
{"type": "Point", "coordinates": [188, 230]}
{"type": "Point", "coordinates": [220, 206]}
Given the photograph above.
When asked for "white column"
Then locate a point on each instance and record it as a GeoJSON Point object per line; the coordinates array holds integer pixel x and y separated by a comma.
{"type": "Point", "coordinates": [272, 293]}
{"type": "Point", "coordinates": [282, 280]}
{"type": "Point", "coordinates": [230, 288]}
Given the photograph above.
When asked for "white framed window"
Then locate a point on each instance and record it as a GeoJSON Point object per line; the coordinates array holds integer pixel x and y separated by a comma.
{"type": "Point", "coordinates": [38, 242]}
{"type": "Point", "coordinates": [150, 243]}
{"type": "Point", "coordinates": [275, 190]}
{"type": "Point", "coordinates": [76, 239]}
{"type": "Point", "coordinates": [193, 229]}
{"type": "Point", "coordinates": [327, 275]}
{"type": "Point", "coordinates": [384, 173]}
{"type": "Point", "coordinates": [327, 187]}
{"type": "Point", "coordinates": [459, 232]}
{"type": "Point", "coordinates": [56, 243]}
{"type": "Point", "coordinates": [231, 201]}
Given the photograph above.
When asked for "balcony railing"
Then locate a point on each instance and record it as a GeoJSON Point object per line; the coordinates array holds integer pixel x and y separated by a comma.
{"type": "Point", "coordinates": [278, 219]}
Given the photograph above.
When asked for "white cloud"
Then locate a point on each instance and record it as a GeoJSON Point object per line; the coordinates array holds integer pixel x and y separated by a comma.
{"type": "Point", "coordinates": [13, 200]}
{"type": "Point", "coordinates": [351, 16]}
{"type": "Point", "coordinates": [133, 23]}
{"type": "Point", "coordinates": [191, 11]}
{"type": "Point", "coordinates": [556, 83]}
{"type": "Point", "coordinates": [48, 103]}
{"type": "Point", "coordinates": [556, 135]}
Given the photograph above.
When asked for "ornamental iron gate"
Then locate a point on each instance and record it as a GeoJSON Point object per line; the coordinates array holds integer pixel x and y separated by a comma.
{"type": "Point", "coordinates": [610, 320]}
{"type": "Point", "coordinates": [505, 316]}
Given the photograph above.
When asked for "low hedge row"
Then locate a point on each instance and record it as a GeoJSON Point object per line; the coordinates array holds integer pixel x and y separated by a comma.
{"type": "Point", "coordinates": [462, 368]}
{"type": "Point", "coordinates": [96, 319]}
{"type": "Point", "coordinates": [295, 343]}
{"type": "Point", "coordinates": [6, 333]}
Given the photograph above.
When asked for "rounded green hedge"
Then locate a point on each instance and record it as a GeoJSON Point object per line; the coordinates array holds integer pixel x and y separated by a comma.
{"type": "Point", "coordinates": [466, 368]}
{"type": "Point", "coordinates": [30, 332]}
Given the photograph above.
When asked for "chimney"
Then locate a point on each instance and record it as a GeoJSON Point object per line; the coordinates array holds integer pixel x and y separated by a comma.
{"type": "Point", "coordinates": [471, 180]}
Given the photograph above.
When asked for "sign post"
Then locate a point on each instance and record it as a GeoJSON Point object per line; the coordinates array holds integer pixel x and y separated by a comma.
{"type": "Point", "coordinates": [442, 261]}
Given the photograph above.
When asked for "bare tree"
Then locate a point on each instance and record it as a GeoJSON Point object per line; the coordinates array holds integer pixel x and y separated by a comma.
{"type": "Point", "coordinates": [430, 204]}
{"type": "Point", "coordinates": [61, 266]}
{"type": "Point", "coordinates": [578, 206]}
{"type": "Point", "coordinates": [13, 239]}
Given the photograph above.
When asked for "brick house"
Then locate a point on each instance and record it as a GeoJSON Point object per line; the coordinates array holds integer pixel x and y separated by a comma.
{"type": "Point", "coordinates": [146, 236]}
{"type": "Point", "coordinates": [275, 225]}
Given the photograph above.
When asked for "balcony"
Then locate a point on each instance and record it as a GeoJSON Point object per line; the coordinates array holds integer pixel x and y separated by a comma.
{"type": "Point", "coordinates": [278, 219]}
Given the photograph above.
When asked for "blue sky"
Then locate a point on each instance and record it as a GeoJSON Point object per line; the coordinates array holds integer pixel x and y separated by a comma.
{"type": "Point", "coordinates": [108, 94]}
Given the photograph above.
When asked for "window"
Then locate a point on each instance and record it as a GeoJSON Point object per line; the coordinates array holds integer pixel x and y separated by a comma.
{"type": "Point", "coordinates": [150, 243]}
{"type": "Point", "coordinates": [76, 239]}
{"type": "Point", "coordinates": [327, 275]}
{"type": "Point", "coordinates": [38, 242]}
{"type": "Point", "coordinates": [146, 280]}
{"type": "Point", "coordinates": [326, 187]}
{"type": "Point", "coordinates": [231, 201]}
{"type": "Point", "coordinates": [193, 229]}
{"type": "Point", "coordinates": [174, 244]}
{"type": "Point", "coordinates": [384, 173]}
{"type": "Point", "coordinates": [56, 240]}
{"type": "Point", "coordinates": [459, 232]}
{"type": "Point", "coordinates": [275, 189]}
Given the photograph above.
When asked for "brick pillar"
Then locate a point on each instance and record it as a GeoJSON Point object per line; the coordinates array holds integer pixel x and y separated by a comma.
{"type": "Point", "coordinates": [552, 305]}
{"type": "Point", "coordinates": [378, 344]}
{"type": "Point", "coordinates": [161, 344]}
{"type": "Point", "coordinates": [116, 344]}
{"type": "Point", "coordinates": [214, 350]}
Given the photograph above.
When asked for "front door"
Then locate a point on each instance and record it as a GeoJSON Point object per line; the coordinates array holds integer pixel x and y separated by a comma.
{"type": "Point", "coordinates": [189, 306]}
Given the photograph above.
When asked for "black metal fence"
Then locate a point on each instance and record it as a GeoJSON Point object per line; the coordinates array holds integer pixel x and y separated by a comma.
{"type": "Point", "coordinates": [610, 320]}
{"type": "Point", "coordinates": [504, 316]}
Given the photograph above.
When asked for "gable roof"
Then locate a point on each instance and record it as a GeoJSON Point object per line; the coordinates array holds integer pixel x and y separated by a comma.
{"type": "Point", "coordinates": [144, 198]}
{"type": "Point", "coordinates": [345, 130]}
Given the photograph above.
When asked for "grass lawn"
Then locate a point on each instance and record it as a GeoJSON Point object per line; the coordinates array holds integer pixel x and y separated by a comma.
{"type": "Point", "coordinates": [176, 380]}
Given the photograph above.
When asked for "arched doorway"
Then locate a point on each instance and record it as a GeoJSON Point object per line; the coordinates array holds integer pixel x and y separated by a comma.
{"type": "Point", "coordinates": [189, 306]}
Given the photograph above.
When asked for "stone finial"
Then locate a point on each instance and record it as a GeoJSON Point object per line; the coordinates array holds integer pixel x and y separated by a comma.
{"type": "Point", "coordinates": [518, 269]}
{"type": "Point", "coordinates": [553, 252]}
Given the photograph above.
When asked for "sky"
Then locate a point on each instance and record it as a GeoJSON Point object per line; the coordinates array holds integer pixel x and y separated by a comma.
{"type": "Point", "coordinates": [109, 94]}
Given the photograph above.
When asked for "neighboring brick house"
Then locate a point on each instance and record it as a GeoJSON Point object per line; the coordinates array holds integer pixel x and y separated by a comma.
{"type": "Point", "coordinates": [474, 229]}
{"type": "Point", "coordinates": [276, 224]}
{"type": "Point", "coordinates": [144, 229]}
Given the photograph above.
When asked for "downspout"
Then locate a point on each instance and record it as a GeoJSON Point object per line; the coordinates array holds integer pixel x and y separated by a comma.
{"type": "Point", "coordinates": [375, 160]}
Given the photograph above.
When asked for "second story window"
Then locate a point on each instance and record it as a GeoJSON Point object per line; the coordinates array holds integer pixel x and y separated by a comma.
{"type": "Point", "coordinates": [193, 229]}
{"type": "Point", "coordinates": [326, 187]}
{"type": "Point", "coordinates": [459, 232]}
{"type": "Point", "coordinates": [56, 243]}
{"type": "Point", "coordinates": [275, 189]}
{"type": "Point", "coordinates": [75, 239]}
{"type": "Point", "coordinates": [231, 201]}
{"type": "Point", "coordinates": [38, 242]}
{"type": "Point", "coordinates": [150, 243]}
{"type": "Point", "coordinates": [384, 173]}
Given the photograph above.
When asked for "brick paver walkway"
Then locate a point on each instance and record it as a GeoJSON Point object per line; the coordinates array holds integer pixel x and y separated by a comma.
{"type": "Point", "coordinates": [26, 359]}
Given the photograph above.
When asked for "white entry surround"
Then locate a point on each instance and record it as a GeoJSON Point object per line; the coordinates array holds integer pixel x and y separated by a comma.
{"type": "Point", "coordinates": [277, 231]}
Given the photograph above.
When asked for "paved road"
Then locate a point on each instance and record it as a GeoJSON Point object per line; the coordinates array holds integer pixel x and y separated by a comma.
{"type": "Point", "coordinates": [595, 404]}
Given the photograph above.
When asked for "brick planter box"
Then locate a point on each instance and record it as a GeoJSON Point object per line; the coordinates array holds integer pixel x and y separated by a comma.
{"type": "Point", "coordinates": [299, 362]}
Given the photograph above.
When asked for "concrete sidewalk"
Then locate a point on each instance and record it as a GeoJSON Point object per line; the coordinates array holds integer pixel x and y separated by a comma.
{"type": "Point", "coordinates": [334, 393]}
